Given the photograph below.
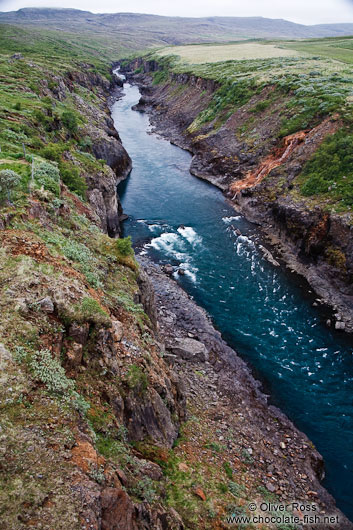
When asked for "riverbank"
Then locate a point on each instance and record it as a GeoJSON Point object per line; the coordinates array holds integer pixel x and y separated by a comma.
{"type": "Point", "coordinates": [230, 425]}
{"type": "Point", "coordinates": [186, 222]}
{"type": "Point", "coordinates": [308, 240]}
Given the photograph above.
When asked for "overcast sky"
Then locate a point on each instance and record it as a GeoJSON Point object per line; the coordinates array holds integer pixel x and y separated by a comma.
{"type": "Point", "coordinates": [302, 11]}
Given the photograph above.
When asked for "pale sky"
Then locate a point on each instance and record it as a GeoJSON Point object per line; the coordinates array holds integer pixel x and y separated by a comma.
{"type": "Point", "coordinates": [301, 11]}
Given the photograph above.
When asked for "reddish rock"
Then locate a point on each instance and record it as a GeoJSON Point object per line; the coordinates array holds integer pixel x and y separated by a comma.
{"type": "Point", "coordinates": [118, 511]}
{"type": "Point", "coordinates": [200, 493]}
{"type": "Point", "coordinates": [85, 456]}
{"type": "Point", "coordinates": [117, 330]}
{"type": "Point", "coordinates": [74, 353]}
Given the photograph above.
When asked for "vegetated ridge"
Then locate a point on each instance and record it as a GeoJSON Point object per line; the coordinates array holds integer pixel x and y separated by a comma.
{"type": "Point", "coordinates": [96, 431]}
{"type": "Point", "coordinates": [134, 31]}
{"type": "Point", "coordinates": [275, 135]}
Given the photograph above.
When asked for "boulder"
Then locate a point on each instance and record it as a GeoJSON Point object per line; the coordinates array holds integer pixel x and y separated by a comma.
{"type": "Point", "coordinates": [270, 487]}
{"type": "Point", "coordinates": [46, 305]}
{"type": "Point", "coordinates": [117, 330]}
{"type": "Point", "coordinates": [168, 269]}
{"type": "Point", "coordinates": [75, 353]}
{"type": "Point", "coordinates": [151, 470]}
{"type": "Point", "coordinates": [118, 510]}
{"type": "Point", "coordinates": [189, 349]}
{"type": "Point", "coordinates": [147, 416]}
{"type": "Point", "coordinates": [79, 332]}
{"type": "Point", "coordinates": [340, 325]}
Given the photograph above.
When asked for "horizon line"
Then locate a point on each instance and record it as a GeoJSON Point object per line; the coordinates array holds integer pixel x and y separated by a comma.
{"type": "Point", "coordinates": [170, 16]}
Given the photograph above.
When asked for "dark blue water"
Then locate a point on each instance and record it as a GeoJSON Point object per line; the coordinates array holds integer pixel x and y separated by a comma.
{"type": "Point", "coordinates": [263, 311]}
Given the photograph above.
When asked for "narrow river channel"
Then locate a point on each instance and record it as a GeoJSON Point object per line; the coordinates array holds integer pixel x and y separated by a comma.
{"type": "Point", "coordinates": [264, 312]}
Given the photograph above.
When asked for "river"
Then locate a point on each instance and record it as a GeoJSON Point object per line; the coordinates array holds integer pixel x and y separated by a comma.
{"type": "Point", "coordinates": [264, 312]}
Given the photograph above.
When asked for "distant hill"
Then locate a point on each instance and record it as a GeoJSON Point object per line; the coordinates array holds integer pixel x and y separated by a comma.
{"type": "Point", "coordinates": [133, 31]}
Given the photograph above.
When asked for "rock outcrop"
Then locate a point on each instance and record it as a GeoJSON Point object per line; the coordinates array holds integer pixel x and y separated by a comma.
{"type": "Point", "coordinates": [189, 349]}
{"type": "Point", "coordinates": [105, 142]}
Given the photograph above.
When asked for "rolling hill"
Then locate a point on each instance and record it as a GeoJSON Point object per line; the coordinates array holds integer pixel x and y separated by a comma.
{"type": "Point", "coordinates": [132, 31]}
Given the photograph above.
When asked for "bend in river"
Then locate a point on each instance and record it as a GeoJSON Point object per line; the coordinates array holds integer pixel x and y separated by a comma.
{"type": "Point", "coordinates": [263, 311]}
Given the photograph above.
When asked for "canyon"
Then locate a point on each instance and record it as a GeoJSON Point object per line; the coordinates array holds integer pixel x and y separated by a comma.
{"type": "Point", "coordinates": [259, 177]}
{"type": "Point", "coordinates": [122, 404]}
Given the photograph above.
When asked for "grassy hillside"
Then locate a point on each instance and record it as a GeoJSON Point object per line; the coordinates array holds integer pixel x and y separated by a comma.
{"type": "Point", "coordinates": [291, 93]}
{"type": "Point", "coordinates": [66, 290]}
{"type": "Point", "coordinates": [131, 31]}
{"type": "Point", "coordinates": [48, 43]}
{"type": "Point", "coordinates": [40, 124]}
{"type": "Point", "coordinates": [337, 49]}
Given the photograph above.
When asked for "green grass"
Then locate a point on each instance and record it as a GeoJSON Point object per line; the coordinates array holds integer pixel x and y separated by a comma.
{"type": "Point", "coordinates": [329, 173]}
{"type": "Point", "coordinates": [227, 52]}
{"type": "Point", "coordinates": [332, 48]}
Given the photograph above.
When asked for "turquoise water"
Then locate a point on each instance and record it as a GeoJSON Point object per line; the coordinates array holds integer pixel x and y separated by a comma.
{"type": "Point", "coordinates": [264, 312]}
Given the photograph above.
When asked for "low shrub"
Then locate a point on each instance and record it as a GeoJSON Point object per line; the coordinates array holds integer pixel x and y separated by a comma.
{"type": "Point", "coordinates": [46, 369]}
{"type": "Point", "coordinates": [85, 143]}
{"type": "Point", "coordinates": [49, 371]}
{"type": "Point", "coordinates": [123, 246]}
{"type": "Point", "coordinates": [228, 470]}
{"type": "Point", "coordinates": [71, 176]}
{"type": "Point", "coordinates": [15, 136]}
{"type": "Point", "coordinates": [145, 489]}
{"type": "Point", "coordinates": [52, 151]}
{"type": "Point", "coordinates": [260, 106]}
{"type": "Point", "coordinates": [160, 77]}
{"type": "Point", "coordinates": [136, 379]}
{"type": "Point", "coordinates": [236, 489]}
{"type": "Point", "coordinates": [42, 119]}
{"type": "Point", "coordinates": [47, 175]}
{"type": "Point", "coordinates": [336, 258]}
{"type": "Point", "coordinates": [8, 181]}
{"type": "Point", "coordinates": [90, 311]}
{"type": "Point", "coordinates": [69, 121]}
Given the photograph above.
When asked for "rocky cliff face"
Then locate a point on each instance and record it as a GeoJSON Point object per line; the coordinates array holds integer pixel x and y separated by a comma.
{"type": "Point", "coordinates": [86, 397]}
{"type": "Point", "coordinates": [105, 142]}
{"type": "Point", "coordinates": [258, 172]}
